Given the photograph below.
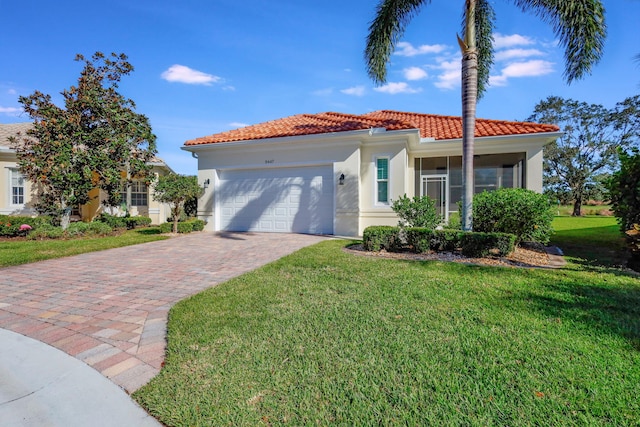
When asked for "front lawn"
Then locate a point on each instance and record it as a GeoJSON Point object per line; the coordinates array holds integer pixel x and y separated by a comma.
{"type": "Point", "coordinates": [20, 251]}
{"type": "Point", "coordinates": [590, 241]}
{"type": "Point", "coordinates": [324, 337]}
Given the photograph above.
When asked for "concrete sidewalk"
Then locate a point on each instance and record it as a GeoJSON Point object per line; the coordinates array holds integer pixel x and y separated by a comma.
{"type": "Point", "coordinates": [42, 386]}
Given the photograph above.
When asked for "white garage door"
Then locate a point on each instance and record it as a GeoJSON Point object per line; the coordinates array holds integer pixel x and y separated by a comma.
{"type": "Point", "coordinates": [298, 200]}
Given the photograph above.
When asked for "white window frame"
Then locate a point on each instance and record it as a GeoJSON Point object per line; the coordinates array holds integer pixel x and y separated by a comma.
{"type": "Point", "coordinates": [14, 172]}
{"type": "Point", "coordinates": [135, 190]}
{"type": "Point", "coordinates": [376, 181]}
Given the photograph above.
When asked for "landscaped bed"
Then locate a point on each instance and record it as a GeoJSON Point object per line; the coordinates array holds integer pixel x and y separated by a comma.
{"type": "Point", "coordinates": [326, 337]}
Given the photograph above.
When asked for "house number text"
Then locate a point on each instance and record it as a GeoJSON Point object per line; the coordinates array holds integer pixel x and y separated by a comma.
{"type": "Point", "coordinates": [269, 161]}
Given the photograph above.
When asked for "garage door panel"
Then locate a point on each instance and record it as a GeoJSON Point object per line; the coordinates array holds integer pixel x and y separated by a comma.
{"type": "Point", "coordinates": [280, 200]}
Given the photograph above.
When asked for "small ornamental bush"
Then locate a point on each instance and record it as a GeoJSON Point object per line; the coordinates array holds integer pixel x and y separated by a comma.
{"type": "Point", "coordinates": [380, 237]}
{"type": "Point", "coordinates": [445, 240]}
{"type": "Point", "coordinates": [416, 212]}
{"type": "Point", "coordinates": [518, 211]}
{"type": "Point", "coordinates": [185, 227]}
{"type": "Point", "coordinates": [46, 231]}
{"type": "Point", "coordinates": [479, 245]}
{"type": "Point", "coordinates": [166, 227]}
{"type": "Point", "coordinates": [10, 225]}
{"type": "Point", "coordinates": [128, 222]}
{"type": "Point", "coordinates": [198, 224]}
{"type": "Point", "coordinates": [419, 238]}
{"type": "Point", "coordinates": [114, 221]}
{"type": "Point", "coordinates": [137, 221]}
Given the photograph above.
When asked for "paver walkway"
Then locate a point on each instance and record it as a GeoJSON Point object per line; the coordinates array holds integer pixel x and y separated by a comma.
{"type": "Point", "coordinates": [109, 308]}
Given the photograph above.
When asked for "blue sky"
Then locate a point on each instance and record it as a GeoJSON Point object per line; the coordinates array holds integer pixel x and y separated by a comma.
{"type": "Point", "coordinates": [203, 67]}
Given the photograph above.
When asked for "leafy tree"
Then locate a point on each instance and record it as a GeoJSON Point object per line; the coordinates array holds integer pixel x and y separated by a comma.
{"type": "Point", "coordinates": [578, 24]}
{"type": "Point", "coordinates": [624, 190]}
{"type": "Point", "coordinates": [89, 143]}
{"type": "Point", "coordinates": [176, 190]}
{"type": "Point", "coordinates": [577, 163]}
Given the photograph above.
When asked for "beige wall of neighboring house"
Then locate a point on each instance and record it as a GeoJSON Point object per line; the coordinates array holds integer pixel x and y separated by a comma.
{"type": "Point", "coordinates": [143, 203]}
{"type": "Point", "coordinates": [379, 165]}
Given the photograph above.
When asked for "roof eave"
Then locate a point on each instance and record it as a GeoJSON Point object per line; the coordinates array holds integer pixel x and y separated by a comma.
{"type": "Point", "coordinates": [549, 136]}
{"type": "Point", "coordinates": [355, 135]}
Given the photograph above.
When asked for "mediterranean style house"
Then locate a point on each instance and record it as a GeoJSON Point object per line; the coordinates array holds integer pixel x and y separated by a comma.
{"type": "Point", "coordinates": [17, 193]}
{"type": "Point", "coordinates": [334, 173]}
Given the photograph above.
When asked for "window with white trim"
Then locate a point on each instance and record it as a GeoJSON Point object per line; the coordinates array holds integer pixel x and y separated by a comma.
{"type": "Point", "coordinates": [382, 180]}
{"type": "Point", "coordinates": [139, 193]}
{"type": "Point", "coordinates": [17, 187]}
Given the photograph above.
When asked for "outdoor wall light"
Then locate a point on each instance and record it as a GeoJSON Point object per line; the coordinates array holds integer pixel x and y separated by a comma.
{"type": "Point", "coordinates": [206, 183]}
{"type": "Point", "coordinates": [341, 179]}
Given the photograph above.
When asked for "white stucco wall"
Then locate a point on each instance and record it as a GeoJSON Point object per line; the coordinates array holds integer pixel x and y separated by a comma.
{"type": "Point", "coordinates": [353, 154]}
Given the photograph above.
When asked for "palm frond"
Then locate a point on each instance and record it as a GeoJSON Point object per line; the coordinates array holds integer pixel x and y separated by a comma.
{"type": "Point", "coordinates": [580, 27]}
{"type": "Point", "coordinates": [392, 18]}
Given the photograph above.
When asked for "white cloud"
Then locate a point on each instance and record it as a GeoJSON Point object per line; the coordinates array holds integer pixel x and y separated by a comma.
{"type": "Point", "coordinates": [415, 73]}
{"type": "Point", "coordinates": [407, 49]}
{"type": "Point", "coordinates": [238, 125]}
{"type": "Point", "coordinates": [395, 88]}
{"type": "Point", "coordinates": [450, 75]}
{"type": "Point", "coordinates": [183, 74]}
{"type": "Point", "coordinates": [501, 41]}
{"type": "Point", "coordinates": [12, 92]}
{"type": "Point", "coordinates": [10, 111]}
{"type": "Point", "coordinates": [531, 68]}
{"type": "Point", "coordinates": [517, 53]}
{"type": "Point", "coordinates": [355, 91]}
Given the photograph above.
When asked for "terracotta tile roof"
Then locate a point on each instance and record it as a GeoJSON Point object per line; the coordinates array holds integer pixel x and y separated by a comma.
{"type": "Point", "coordinates": [430, 125]}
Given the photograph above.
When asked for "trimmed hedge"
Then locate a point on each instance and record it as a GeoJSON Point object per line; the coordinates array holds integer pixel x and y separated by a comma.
{"type": "Point", "coordinates": [445, 240]}
{"type": "Point", "coordinates": [479, 245]}
{"type": "Point", "coordinates": [419, 239]}
{"type": "Point", "coordinates": [183, 226]}
{"type": "Point", "coordinates": [128, 222]}
{"type": "Point", "coordinates": [378, 237]}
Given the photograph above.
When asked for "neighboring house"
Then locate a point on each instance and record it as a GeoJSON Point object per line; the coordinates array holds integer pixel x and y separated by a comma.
{"type": "Point", "coordinates": [17, 194]}
{"type": "Point", "coordinates": [334, 173]}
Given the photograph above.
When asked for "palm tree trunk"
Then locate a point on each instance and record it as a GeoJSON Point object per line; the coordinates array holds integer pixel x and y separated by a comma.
{"type": "Point", "coordinates": [469, 100]}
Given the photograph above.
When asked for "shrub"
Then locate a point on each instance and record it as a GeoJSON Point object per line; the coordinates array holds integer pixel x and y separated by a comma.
{"type": "Point", "coordinates": [624, 190]}
{"type": "Point", "coordinates": [445, 240]}
{"type": "Point", "coordinates": [518, 211]}
{"type": "Point", "coordinates": [185, 227]}
{"type": "Point", "coordinates": [166, 227]}
{"type": "Point", "coordinates": [416, 212]}
{"type": "Point", "coordinates": [633, 244]}
{"type": "Point", "coordinates": [98, 229]}
{"type": "Point", "coordinates": [419, 238]}
{"type": "Point", "coordinates": [479, 245]}
{"type": "Point", "coordinates": [113, 221]}
{"type": "Point", "coordinates": [198, 224]}
{"type": "Point", "coordinates": [380, 237]}
{"type": "Point", "coordinates": [137, 221]}
{"type": "Point", "coordinates": [10, 224]}
{"type": "Point", "coordinates": [45, 231]}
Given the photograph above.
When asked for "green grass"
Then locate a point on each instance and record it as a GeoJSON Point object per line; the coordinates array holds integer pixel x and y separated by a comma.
{"type": "Point", "coordinates": [27, 251]}
{"type": "Point", "coordinates": [590, 241]}
{"type": "Point", "coordinates": [323, 337]}
{"type": "Point", "coordinates": [567, 210]}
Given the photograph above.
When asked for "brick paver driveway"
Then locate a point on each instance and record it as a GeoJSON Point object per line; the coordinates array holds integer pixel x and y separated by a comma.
{"type": "Point", "coordinates": [109, 308]}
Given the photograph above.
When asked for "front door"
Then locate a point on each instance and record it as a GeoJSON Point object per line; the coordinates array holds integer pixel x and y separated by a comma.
{"type": "Point", "coordinates": [435, 186]}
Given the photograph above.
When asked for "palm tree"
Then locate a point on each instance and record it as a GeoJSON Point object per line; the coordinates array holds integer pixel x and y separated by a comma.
{"type": "Point", "coordinates": [578, 24]}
